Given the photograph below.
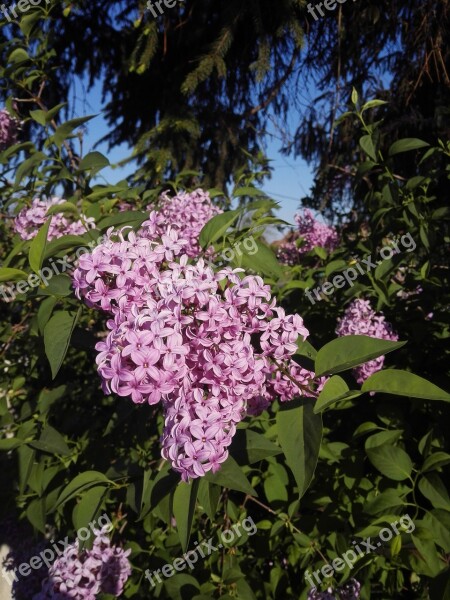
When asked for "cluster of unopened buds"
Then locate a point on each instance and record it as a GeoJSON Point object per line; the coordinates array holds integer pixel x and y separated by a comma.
{"type": "Point", "coordinates": [210, 347]}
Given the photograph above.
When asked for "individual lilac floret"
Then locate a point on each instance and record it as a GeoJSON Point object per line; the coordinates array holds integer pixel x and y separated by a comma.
{"type": "Point", "coordinates": [29, 220]}
{"type": "Point", "coordinates": [360, 319]}
{"type": "Point", "coordinates": [310, 234]}
{"type": "Point", "coordinates": [188, 213]}
{"type": "Point", "coordinates": [83, 575]}
{"type": "Point", "coordinates": [8, 130]}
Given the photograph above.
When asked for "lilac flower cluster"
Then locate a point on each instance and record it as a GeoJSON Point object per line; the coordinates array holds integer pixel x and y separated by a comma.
{"type": "Point", "coordinates": [310, 234]}
{"type": "Point", "coordinates": [83, 575]}
{"type": "Point", "coordinates": [8, 130]}
{"type": "Point", "coordinates": [211, 347]}
{"type": "Point", "coordinates": [360, 319]}
{"type": "Point", "coordinates": [29, 220]}
{"type": "Point", "coordinates": [349, 591]}
{"type": "Point", "coordinates": [188, 212]}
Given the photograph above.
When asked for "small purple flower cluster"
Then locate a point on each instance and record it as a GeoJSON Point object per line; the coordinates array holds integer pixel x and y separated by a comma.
{"type": "Point", "coordinates": [8, 130]}
{"type": "Point", "coordinates": [188, 212]}
{"type": "Point", "coordinates": [83, 575]}
{"type": "Point", "coordinates": [310, 234]}
{"type": "Point", "coordinates": [360, 319]}
{"type": "Point", "coordinates": [29, 220]}
{"type": "Point", "coordinates": [349, 591]}
{"type": "Point", "coordinates": [211, 347]}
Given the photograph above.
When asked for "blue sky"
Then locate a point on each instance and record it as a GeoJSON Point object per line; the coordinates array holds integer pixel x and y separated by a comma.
{"type": "Point", "coordinates": [291, 178]}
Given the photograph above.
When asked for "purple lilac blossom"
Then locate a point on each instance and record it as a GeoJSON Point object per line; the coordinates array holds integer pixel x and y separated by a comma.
{"type": "Point", "coordinates": [310, 233]}
{"type": "Point", "coordinates": [360, 319]}
{"type": "Point", "coordinates": [30, 219]}
{"type": "Point", "coordinates": [8, 130]}
{"type": "Point", "coordinates": [83, 575]}
{"type": "Point", "coordinates": [188, 213]}
{"type": "Point", "coordinates": [181, 335]}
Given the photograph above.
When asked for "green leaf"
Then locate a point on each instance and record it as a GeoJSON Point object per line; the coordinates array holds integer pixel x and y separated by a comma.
{"type": "Point", "coordinates": [366, 143]}
{"type": "Point", "coordinates": [181, 586]}
{"type": "Point", "coordinates": [248, 191]}
{"type": "Point", "coordinates": [184, 501]}
{"type": "Point", "coordinates": [93, 160]}
{"type": "Point", "coordinates": [88, 508]}
{"type": "Point", "coordinates": [28, 165]}
{"type": "Point", "coordinates": [48, 397]}
{"type": "Point", "coordinates": [37, 247]}
{"type": "Point", "coordinates": [432, 487]}
{"type": "Point", "coordinates": [435, 461]}
{"type": "Point", "coordinates": [372, 104]}
{"type": "Point", "coordinates": [383, 502]}
{"type": "Point", "coordinates": [59, 285]}
{"type": "Point", "coordinates": [64, 207]}
{"type": "Point", "coordinates": [7, 274]}
{"type": "Point", "coordinates": [57, 334]}
{"type": "Point", "coordinates": [335, 265]}
{"type": "Point", "coordinates": [64, 243]}
{"type": "Point", "coordinates": [36, 514]}
{"type": "Point", "coordinates": [10, 444]}
{"type": "Point", "coordinates": [351, 350]}
{"type": "Point", "coordinates": [51, 441]}
{"type": "Point", "coordinates": [403, 383]}
{"type": "Point", "coordinates": [249, 447]}
{"type": "Point", "coordinates": [44, 313]}
{"type": "Point", "coordinates": [230, 475]}
{"type": "Point", "coordinates": [38, 116]}
{"type": "Point", "coordinates": [81, 482]}
{"type": "Point", "coordinates": [300, 435]}
{"type": "Point", "coordinates": [264, 261]}
{"type": "Point", "coordinates": [66, 129]}
{"type": "Point", "coordinates": [333, 391]}
{"type": "Point", "coordinates": [391, 461]}
{"type": "Point", "coordinates": [129, 217]}
{"type": "Point", "coordinates": [306, 349]}
{"type": "Point", "coordinates": [208, 497]}
{"type": "Point", "coordinates": [217, 227]}
{"type": "Point", "coordinates": [407, 144]}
